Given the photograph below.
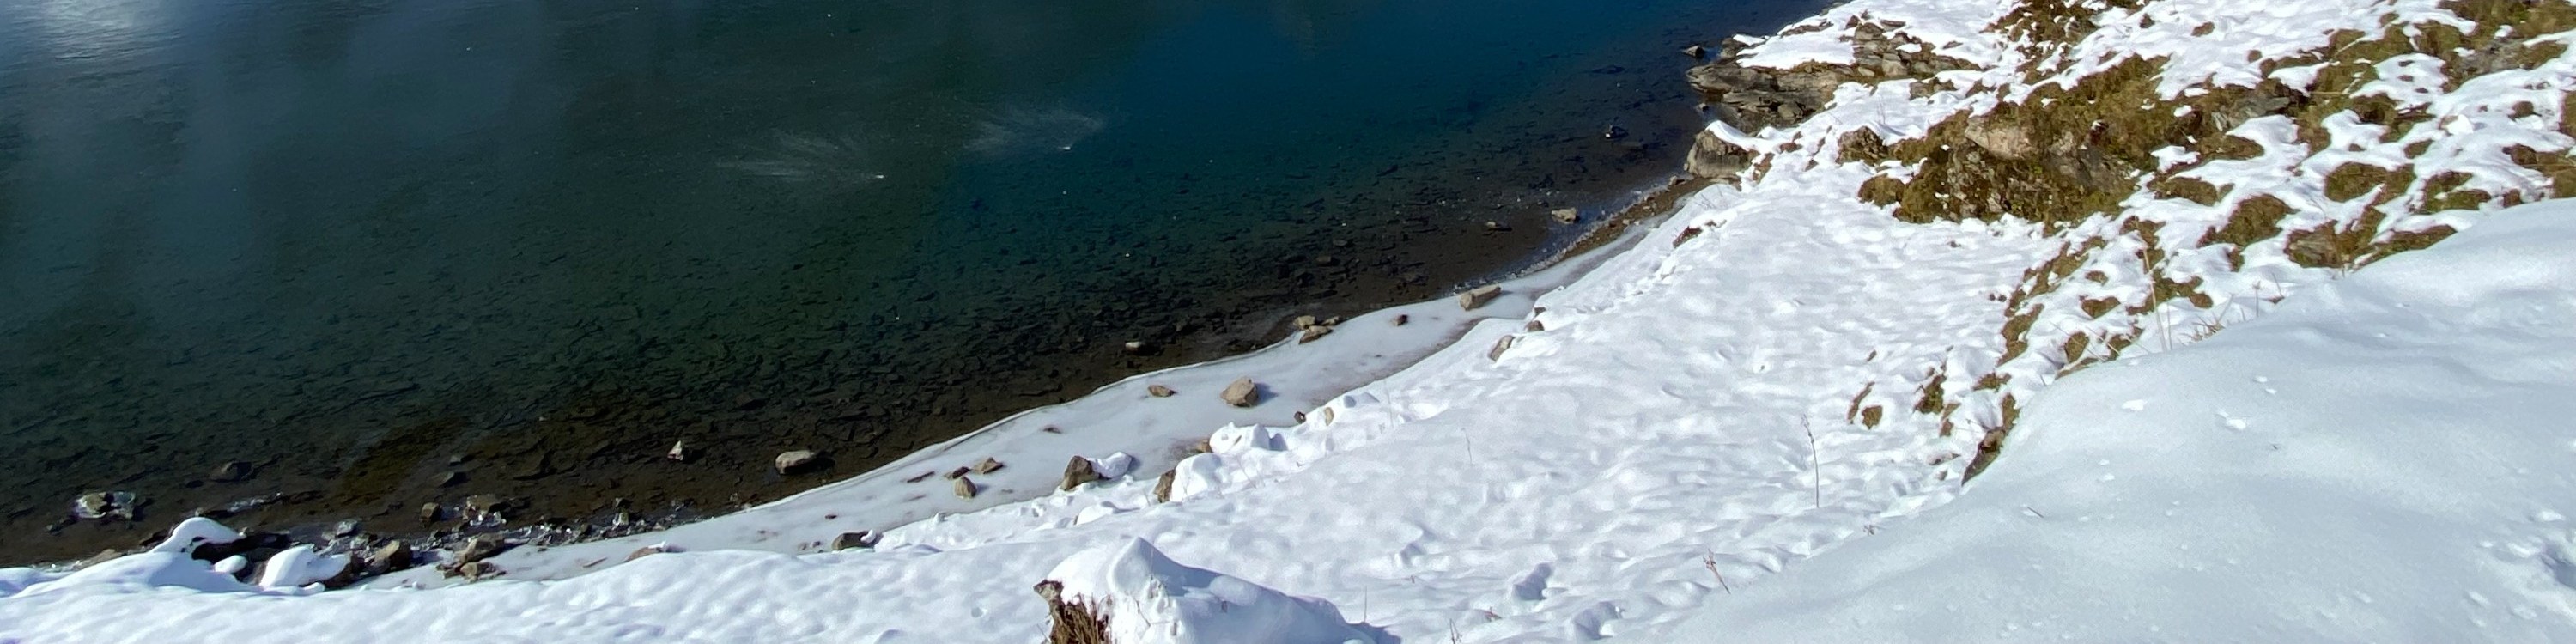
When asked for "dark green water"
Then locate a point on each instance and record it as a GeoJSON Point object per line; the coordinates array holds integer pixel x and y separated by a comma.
{"type": "Point", "coordinates": [353, 241]}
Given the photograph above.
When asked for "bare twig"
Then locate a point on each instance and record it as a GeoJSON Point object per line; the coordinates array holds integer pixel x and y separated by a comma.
{"type": "Point", "coordinates": [1815, 463]}
{"type": "Point", "coordinates": [1710, 560]}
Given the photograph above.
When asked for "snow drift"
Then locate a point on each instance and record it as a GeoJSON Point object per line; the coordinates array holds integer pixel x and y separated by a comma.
{"type": "Point", "coordinates": [1149, 599]}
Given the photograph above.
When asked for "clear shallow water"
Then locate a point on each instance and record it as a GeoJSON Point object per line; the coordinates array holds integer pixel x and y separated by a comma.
{"type": "Point", "coordinates": [364, 243]}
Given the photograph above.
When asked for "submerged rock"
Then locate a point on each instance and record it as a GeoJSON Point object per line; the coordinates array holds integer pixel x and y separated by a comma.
{"type": "Point", "coordinates": [231, 472]}
{"type": "Point", "coordinates": [105, 505]}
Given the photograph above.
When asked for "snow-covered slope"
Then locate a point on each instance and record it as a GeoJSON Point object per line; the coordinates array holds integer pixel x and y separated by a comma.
{"type": "Point", "coordinates": [2387, 458]}
{"type": "Point", "coordinates": [1798, 363]}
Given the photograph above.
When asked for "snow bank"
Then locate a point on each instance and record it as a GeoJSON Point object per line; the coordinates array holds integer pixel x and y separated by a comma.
{"type": "Point", "coordinates": [2386, 458]}
{"type": "Point", "coordinates": [1149, 599]}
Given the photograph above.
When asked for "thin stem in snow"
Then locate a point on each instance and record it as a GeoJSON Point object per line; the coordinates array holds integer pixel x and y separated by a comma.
{"type": "Point", "coordinates": [1815, 463]}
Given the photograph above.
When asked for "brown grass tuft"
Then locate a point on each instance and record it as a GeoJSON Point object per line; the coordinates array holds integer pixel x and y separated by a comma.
{"type": "Point", "coordinates": [1074, 621]}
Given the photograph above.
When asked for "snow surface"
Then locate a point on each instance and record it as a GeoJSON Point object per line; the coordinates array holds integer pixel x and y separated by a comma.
{"type": "Point", "coordinates": [1652, 444]}
{"type": "Point", "coordinates": [2385, 458]}
{"type": "Point", "coordinates": [1151, 599]}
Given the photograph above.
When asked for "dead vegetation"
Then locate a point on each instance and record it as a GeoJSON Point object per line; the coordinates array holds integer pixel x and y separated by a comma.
{"type": "Point", "coordinates": [1073, 620]}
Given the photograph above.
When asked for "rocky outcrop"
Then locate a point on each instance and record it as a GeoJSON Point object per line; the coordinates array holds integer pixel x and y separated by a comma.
{"type": "Point", "coordinates": [1752, 98]}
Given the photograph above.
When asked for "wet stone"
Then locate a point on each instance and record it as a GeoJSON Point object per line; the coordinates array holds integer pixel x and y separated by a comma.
{"type": "Point", "coordinates": [392, 556]}
{"type": "Point", "coordinates": [795, 461]}
{"type": "Point", "coordinates": [481, 547]}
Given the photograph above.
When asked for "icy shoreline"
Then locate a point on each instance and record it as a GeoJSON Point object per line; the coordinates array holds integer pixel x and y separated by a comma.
{"type": "Point", "coordinates": [1293, 377]}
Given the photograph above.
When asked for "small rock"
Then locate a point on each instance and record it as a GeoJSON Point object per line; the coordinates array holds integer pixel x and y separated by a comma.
{"type": "Point", "coordinates": [1401, 319]}
{"type": "Point", "coordinates": [965, 487]}
{"type": "Point", "coordinates": [987, 466]}
{"type": "Point", "coordinates": [1304, 321]}
{"type": "Point", "coordinates": [1479, 296]}
{"type": "Point", "coordinates": [1496, 226]}
{"type": "Point", "coordinates": [476, 570]}
{"type": "Point", "coordinates": [1077, 473]}
{"type": "Point", "coordinates": [390, 557]}
{"type": "Point", "coordinates": [1163, 486]}
{"type": "Point", "coordinates": [1300, 417]}
{"type": "Point", "coordinates": [1159, 391]}
{"type": "Point", "coordinates": [793, 461]}
{"type": "Point", "coordinates": [1328, 415]}
{"type": "Point", "coordinates": [1242, 393]}
{"type": "Point", "coordinates": [1137, 348]}
{"type": "Point", "coordinates": [958, 473]}
{"type": "Point", "coordinates": [648, 551]}
{"type": "Point", "coordinates": [1313, 333]}
{"type": "Point", "coordinates": [679, 451]}
{"type": "Point", "coordinates": [451, 478]}
{"type": "Point", "coordinates": [1615, 133]}
{"type": "Point", "coordinates": [429, 512]}
{"type": "Point", "coordinates": [1500, 346]}
{"type": "Point", "coordinates": [481, 547]}
{"type": "Point", "coordinates": [855, 540]}
{"type": "Point", "coordinates": [1695, 51]}
{"type": "Point", "coordinates": [1566, 215]}
{"type": "Point", "coordinates": [231, 472]}
{"type": "Point", "coordinates": [345, 528]}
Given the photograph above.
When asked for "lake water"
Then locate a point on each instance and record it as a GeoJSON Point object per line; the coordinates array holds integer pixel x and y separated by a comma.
{"type": "Point", "coordinates": [361, 244]}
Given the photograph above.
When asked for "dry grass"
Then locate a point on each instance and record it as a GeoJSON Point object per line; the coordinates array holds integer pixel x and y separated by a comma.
{"type": "Point", "coordinates": [1930, 400]}
{"type": "Point", "coordinates": [1073, 621]}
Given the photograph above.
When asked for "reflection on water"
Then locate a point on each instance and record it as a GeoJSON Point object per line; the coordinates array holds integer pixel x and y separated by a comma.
{"type": "Point", "coordinates": [360, 243]}
{"type": "Point", "coordinates": [831, 161]}
{"type": "Point", "coordinates": [1023, 130]}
